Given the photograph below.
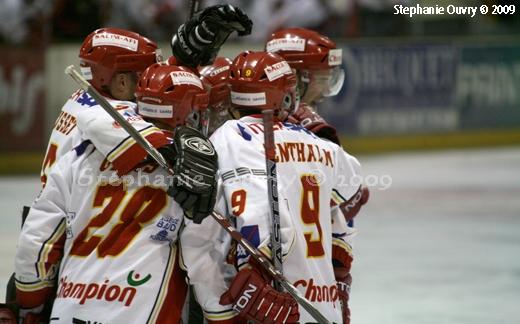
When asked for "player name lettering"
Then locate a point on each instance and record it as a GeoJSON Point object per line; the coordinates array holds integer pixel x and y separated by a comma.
{"type": "Point", "coordinates": [302, 152]}
{"type": "Point", "coordinates": [104, 291]}
{"type": "Point", "coordinates": [65, 123]}
{"type": "Point", "coordinates": [316, 293]}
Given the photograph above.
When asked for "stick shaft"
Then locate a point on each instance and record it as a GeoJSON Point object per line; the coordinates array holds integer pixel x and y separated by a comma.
{"type": "Point", "coordinates": [266, 264]}
{"type": "Point", "coordinates": [272, 191]}
{"type": "Point", "coordinates": [194, 7]}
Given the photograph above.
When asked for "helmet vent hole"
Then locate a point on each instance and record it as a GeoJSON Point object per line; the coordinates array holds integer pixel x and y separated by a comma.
{"type": "Point", "coordinates": [169, 89]}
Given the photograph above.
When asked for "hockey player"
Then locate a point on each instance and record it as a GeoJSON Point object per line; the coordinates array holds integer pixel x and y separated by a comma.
{"type": "Point", "coordinates": [311, 172]}
{"type": "Point", "coordinates": [111, 60]}
{"type": "Point", "coordinates": [110, 241]}
{"type": "Point", "coordinates": [317, 63]}
{"type": "Point", "coordinates": [215, 79]}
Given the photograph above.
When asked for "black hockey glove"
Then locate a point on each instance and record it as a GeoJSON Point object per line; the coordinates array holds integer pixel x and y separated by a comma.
{"type": "Point", "coordinates": [198, 41]}
{"type": "Point", "coordinates": [195, 162]}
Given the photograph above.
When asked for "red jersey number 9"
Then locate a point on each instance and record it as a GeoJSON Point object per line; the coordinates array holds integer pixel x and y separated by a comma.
{"type": "Point", "coordinates": [310, 213]}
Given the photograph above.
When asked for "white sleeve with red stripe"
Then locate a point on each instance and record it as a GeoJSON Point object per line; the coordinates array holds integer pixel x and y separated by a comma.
{"type": "Point", "coordinates": [41, 241]}
{"type": "Point", "coordinates": [113, 141]}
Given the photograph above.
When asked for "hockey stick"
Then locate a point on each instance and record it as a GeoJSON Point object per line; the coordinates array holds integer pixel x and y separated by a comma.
{"type": "Point", "coordinates": [223, 221]}
{"type": "Point", "coordinates": [272, 192]}
{"type": "Point", "coordinates": [194, 7]}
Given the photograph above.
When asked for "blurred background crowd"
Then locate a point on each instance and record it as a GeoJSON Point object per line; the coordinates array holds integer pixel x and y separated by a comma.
{"type": "Point", "coordinates": [37, 22]}
{"type": "Point", "coordinates": [427, 81]}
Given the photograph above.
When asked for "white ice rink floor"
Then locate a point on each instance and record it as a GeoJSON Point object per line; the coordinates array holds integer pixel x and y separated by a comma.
{"type": "Point", "coordinates": [441, 245]}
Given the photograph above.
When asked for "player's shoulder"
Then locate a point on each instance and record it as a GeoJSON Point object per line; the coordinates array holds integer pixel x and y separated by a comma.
{"type": "Point", "coordinates": [226, 130]}
{"type": "Point", "coordinates": [123, 104]}
{"type": "Point", "coordinates": [79, 99]}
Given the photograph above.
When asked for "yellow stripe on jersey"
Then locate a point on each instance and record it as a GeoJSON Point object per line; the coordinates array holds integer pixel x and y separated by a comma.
{"type": "Point", "coordinates": [164, 285]}
{"type": "Point", "coordinates": [129, 142]}
{"type": "Point", "coordinates": [337, 198]}
{"type": "Point", "coordinates": [220, 316]}
{"type": "Point", "coordinates": [343, 245]}
{"type": "Point", "coordinates": [47, 249]}
{"type": "Point", "coordinates": [29, 287]}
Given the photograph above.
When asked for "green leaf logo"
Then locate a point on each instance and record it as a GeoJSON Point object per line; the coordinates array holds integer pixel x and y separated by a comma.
{"type": "Point", "coordinates": [133, 279]}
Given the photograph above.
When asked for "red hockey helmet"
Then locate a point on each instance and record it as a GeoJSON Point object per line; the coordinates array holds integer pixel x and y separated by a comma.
{"type": "Point", "coordinates": [170, 94]}
{"type": "Point", "coordinates": [215, 78]}
{"type": "Point", "coordinates": [307, 50]}
{"type": "Point", "coordinates": [304, 49]}
{"type": "Point", "coordinates": [262, 80]}
{"type": "Point", "coordinates": [109, 50]}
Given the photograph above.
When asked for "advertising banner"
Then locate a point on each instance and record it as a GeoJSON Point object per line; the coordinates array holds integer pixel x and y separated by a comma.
{"type": "Point", "coordinates": [22, 99]}
{"type": "Point", "coordinates": [426, 88]}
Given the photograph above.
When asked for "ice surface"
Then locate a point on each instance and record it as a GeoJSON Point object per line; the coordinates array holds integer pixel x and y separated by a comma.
{"type": "Point", "coordinates": [441, 245]}
{"type": "Point", "coordinates": [15, 192]}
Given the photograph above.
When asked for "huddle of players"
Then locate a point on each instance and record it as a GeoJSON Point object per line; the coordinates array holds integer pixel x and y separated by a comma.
{"type": "Point", "coordinates": [89, 244]}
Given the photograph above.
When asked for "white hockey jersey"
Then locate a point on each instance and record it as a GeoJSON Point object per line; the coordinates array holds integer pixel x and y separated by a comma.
{"type": "Point", "coordinates": [311, 173]}
{"type": "Point", "coordinates": [82, 118]}
{"type": "Point", "coordinates": [112, 238]}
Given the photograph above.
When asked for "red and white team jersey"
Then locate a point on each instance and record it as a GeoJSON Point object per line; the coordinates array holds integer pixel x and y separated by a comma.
{"type": "Point", "coordinates": [110, 240]}
{"type": "Point", "coordinates": [312, 173]}
{"type": "Point", "coordinates": [82, 118]}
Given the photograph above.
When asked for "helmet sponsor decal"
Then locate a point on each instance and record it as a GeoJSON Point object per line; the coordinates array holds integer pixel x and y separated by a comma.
{"type": "Point", "coordinates": [219, 70]}
{"type": "Point", "coordinates": [86, 72]}
{"type": "Point", "coordinates": [181, 77]}
{"type": "Point", "coordinates": [277, 70]}
{"type": "Point", "coordinates": [285, 44]}
{"type": "Point", "coordinates": [154, 111]}
{"type": "Point", "coordinates": [109, 39]}
{"type": "Point", "coordinates": [248, 99]}
{"type": "Point", "coordinates": [335, 57]}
